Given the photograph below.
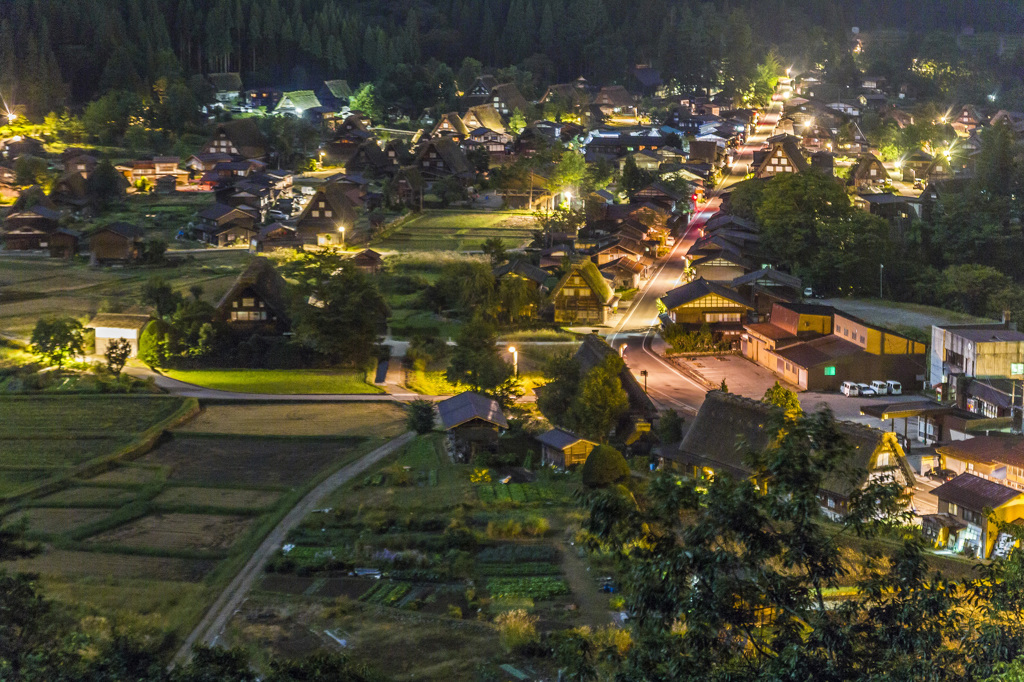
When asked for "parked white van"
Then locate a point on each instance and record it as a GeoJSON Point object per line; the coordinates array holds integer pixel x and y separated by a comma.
{"type": "Point", "coordinates": [881, 387]}
{"type": "Point", "coordinates": [895, 387]}
{"type": "Point", "coordinates": [849, 388]}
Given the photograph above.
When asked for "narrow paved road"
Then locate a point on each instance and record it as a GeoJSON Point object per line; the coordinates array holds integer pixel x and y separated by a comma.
{"type": "Point", "coordinates": [216, 619]}
{"type": "Point", "coordinates": [638, 330]}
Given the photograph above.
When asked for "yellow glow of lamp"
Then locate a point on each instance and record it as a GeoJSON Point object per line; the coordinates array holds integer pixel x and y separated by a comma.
{"type": "Point", "coordinates": [515, 359]}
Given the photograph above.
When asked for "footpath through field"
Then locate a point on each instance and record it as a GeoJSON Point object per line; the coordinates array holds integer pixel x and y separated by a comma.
{"type": "Point", "coordinates": [216, 619]}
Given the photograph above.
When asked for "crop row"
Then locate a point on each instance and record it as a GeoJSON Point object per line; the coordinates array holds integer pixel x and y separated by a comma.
{"type": "Point", "coordinates": [512, 570]}
{"type": "Point", "coordinates": [517, 553]}
{"type": "Point", "coordinates": [536, 587]}
{"type": "Point", "coordinates": [386, 592]}
{"type": "Point", "coordinates": [514, 492]}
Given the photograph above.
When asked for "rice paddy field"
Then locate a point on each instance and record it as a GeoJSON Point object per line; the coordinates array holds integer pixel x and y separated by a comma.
{"type": "Point", "coordinates": [34, 287]}
{"type": "Point", "coordinates": [459, 231]}
{"type": "Point", "coordinates": [152, 538]}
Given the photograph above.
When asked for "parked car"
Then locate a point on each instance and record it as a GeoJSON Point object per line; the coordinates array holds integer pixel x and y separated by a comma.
{"type": "Point", "coordinates": [866, 391]}
{"type": "Point", "coordinates": [881, 387]}
{"type": "Point", "coordinates": [941, 475]}
{"type": "Point", "coordinates": [895, 387]}
{"type": "Point", "coordinates": [277, 215]}
{"type": "Point", "coordinates": [849, 388]}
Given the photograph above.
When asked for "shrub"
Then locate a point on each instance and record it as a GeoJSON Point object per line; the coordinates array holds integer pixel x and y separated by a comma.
{"type": "Point", "coordinates": [536, 526]}
{"type": "Point", "coordinates": [454, 612]}
{"type": "Point", "coordinates": [604, 466]}
{"type": "Point", "coordinates": [509, 528]}
{"type": "Point", "coordinates": [517, 630]}
{"type": "Point", "coordinates": [421, 416]}
{"type": "Point", "coordinates": [480, 476]}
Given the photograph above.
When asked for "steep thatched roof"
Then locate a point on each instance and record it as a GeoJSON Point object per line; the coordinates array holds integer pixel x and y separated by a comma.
{"type": "Point", "coordinates": [728, 426]}
{"type": "Point", "coordinates": [591, 275]}
{"type": "Point", "coordinates": [262, 279]}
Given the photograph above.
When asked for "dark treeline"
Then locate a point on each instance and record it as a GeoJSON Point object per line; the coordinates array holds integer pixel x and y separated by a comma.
{"type": "Point", "coordinates": [55, 52]}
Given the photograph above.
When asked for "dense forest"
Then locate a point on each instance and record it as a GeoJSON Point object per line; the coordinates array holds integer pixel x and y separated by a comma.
{"type": "Point", "coordinates": [66, 52]}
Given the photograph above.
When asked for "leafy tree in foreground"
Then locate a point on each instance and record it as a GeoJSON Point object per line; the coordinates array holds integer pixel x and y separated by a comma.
{"type": "Point", "coordinates": [605, 465]}
{"type": "Point", "coordinates": [601, 400]}
{"type": "Point", "coordinates": [726, 582]}
{"type": "Point", "coordinates": [477, 362]}
{"type": "Point", "coordinates": [780, 396]}
{"type": "Point", "coordinates": [348, 316]}
{"type": "Point", "coordinates": [496, 250]}
{"type": "Point", "coordinates": [117, 354]}
{"type": "Point", "coordinates": [58, 340]}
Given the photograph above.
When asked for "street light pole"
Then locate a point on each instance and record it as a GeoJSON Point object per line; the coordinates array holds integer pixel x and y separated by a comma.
{"type": "Point", "coordinates": [881, 269]}
{"type": "Point", "coordinates": [515, 359]}
{"type": "Point", "coordinates": [643, 373]}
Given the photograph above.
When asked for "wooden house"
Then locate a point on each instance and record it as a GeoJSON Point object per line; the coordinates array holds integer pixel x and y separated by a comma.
{"type": "Point", "coordinates": [369, 261]}
{"type": "Point", "coordinates": [370, 158]}
{"type": "Point", "coordinates": [472, 423]}
{"type": "Point", "coordinates": [70, 190]}
{"type": "Point", "coordinates": [868, 171]}
{"type": "Point", "coordinates": [522, 270]}
{"type": "Point", "coordinates": [701, 302]}
{"type": "Point", "coordinates": [625, 272]}
{"type": "Point", "coordinates": [564, 449]}
{"type": "Point", "coordinates": [784, 156]}
{"type": "Point", "coordinates": [80, 163]}
{"type": "Point", "coordinates": [727, 425]}
{"type": "Point", "coordinates": [222, 225]}
{"type": "Point", "coordinates": [334, 93]}
{"type": "Point", "coordinates": [116, 243]}
{"type": "Point", "coordinates": [583, 297]}
{"type": "Point", "coordinates": [616, 100]}
{"type": "Point", "coordinates": [256, 303]}
{"type": "Point", "coordinates": [915, 165]}
{"type": "Point", "coordinates": [240, 137]}
{"type": "Point", "coordinates": [109, 327]}
{"type": "Point", "coordinates": [64, 243]}
{"type": "Point", "coordinates": [450, 125]}
{"type": "Point", "coordinates": [482, 86]}
{"type": "Point", "coordinates": [297, 102]}
{"type": "Point", "coordinates": [483, 116]}
{"type": "Point", "coordinates": [1013, 119]}
{"type": "Point", "coordinates": [507, 99]}
{"type": "Point", "coordinates": [327, 215]}
{"type": "Point", "coordinates": [442, 157]}
{"type": "Point", "coordinates": [274, 236]}
{"type": "Point", "coordinates": [30, 229]}
{"type": "Point", "coordinates": [496, 143]}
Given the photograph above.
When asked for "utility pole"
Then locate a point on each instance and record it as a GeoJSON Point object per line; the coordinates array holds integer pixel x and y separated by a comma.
{"type": "Point", "coordinates": [643, 373]}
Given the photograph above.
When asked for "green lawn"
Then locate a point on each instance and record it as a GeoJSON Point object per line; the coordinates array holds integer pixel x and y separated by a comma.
{"type": "Point", "coordinates": [277, 381]}
{"type": "Point", "coordinates": [459, 231]}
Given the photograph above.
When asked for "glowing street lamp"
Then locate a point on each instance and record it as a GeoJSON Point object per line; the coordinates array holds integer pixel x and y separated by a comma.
{"type": "Point", "coordinates": [342, 230]}
{"type": "Point", "coordinates": [515, 359]}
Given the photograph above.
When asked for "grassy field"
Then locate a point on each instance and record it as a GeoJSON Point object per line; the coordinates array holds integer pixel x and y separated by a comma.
{"type": "Point", "coordinates": [31, 288]}
{"type": "Point", "coordinates": [42, 438]}
{"type": "Point", "coordinates": [306, 419]}
{"type": "Point", "coordinates": [161, 215]}
{"type": "Point", "coordinates": [459, 231]}
{"type": "Point", "coordinates": [153, 541]}
{"type": "Point", "coordinates": [277, 381]}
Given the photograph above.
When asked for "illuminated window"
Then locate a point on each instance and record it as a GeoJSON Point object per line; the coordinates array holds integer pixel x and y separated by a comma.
{"type": "Point", "coordinates": [1017, 368]}
{"type": "Point", "coordinates": [830, 371]}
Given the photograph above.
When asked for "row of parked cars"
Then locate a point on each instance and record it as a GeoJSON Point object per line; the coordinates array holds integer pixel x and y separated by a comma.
{"type": "Point", "coordinates": [853, 389]}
